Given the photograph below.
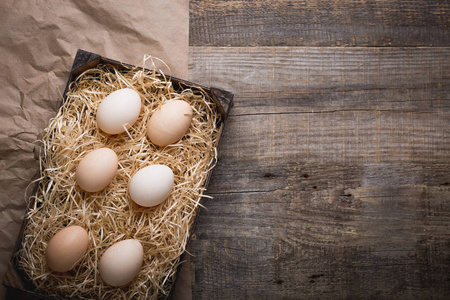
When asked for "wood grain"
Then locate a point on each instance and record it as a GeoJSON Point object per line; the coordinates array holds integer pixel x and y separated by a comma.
{"type": "Point", "coordinates": [286, 245]}
{"type": "Point", "coordinates": [333, 175]}
{"type": "Point", "coordinates": [298, 79]}
{"type": "Point", "coordinates": [319, 23]}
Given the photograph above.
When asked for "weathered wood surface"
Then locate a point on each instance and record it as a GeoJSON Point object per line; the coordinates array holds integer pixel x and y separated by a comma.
{"type": "Point", "coordinates": [320, 23]}
{"type": "Point", "coordinates": [298, 79]}
{"type": "Point", "coordinates": [333, 178]}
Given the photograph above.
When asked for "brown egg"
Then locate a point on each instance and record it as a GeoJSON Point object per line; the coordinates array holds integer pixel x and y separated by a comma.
{"type": "Point", "coordinates": [66, 248]}
{"type": "Point", "coordinates": [169, 123]}
{"type": "Point", "coordinates": [97, 169]}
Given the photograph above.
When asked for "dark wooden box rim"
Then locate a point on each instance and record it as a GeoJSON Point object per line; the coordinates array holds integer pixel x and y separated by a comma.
{"type": "Point", "coordinates": [14, 278]}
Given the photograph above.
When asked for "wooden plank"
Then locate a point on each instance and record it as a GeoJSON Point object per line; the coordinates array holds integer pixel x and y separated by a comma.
{"type": "Point", "coordinates": [319, 23]}
{"type": "Point", "coordinates": [287, 245]}
{"type": "Point", "coordinates": [333, 177]}
{"type": "Point", "coordinates": [298, 79]}
{"type": "Point", "coordinates": [344, 137]}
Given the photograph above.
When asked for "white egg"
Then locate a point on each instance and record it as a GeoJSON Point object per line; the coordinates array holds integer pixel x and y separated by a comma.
{"type": "Point", "coordinates": [121, 262]}
{"type": "Point", "coordinates": [151, 185]}
{"type": "Point", "coordinates": [119, 109]}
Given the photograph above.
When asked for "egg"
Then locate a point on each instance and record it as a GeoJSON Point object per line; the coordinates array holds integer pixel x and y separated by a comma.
{"type": "Point", "coordinates": [121, 262]}
{"type": "Point", "coordinates": [66, 248]}
{"type": "Point", "coordinates": [96, 170]}
{"type": "Point", "coordinates": [151, 185]}
{"type": "Point", "coordinates": [169, 123]}
{"type": "Point", "coordinates": [118, 110]}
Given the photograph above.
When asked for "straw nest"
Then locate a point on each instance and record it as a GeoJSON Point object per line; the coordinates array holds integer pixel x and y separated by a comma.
{"type": "Point", "coordinates": [110, 215]}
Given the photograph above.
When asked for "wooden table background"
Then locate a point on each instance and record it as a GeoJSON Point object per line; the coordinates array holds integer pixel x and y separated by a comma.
{"type": "Point", "coordinates": [333, 178]}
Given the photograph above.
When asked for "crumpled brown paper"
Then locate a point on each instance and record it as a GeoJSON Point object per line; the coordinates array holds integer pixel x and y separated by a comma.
{"type": "Point", "coordinates": [38, 42]}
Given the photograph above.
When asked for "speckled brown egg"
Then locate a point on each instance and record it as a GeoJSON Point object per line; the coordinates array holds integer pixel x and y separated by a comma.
{"type": "Point", "coordinates": [66, 248]}
{"type": "Point", "coordinates": [97, 169]}
{"type": "Point", "coordinates": [169, 123]}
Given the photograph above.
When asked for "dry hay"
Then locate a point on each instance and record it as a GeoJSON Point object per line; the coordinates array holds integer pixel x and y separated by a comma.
{"type": "Point", "coordinates": [110, 215]}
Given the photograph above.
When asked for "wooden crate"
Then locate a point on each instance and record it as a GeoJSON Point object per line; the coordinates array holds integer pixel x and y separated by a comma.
{"type": "Point", "coordinates": [19, 287]}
